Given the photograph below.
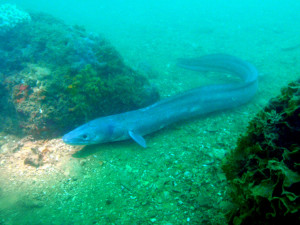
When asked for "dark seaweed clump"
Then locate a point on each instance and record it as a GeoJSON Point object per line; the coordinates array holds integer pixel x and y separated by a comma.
{"type": "Point", "coordinates": [264, 169]}
{"type": "Point", "coordinates": [54, 77]}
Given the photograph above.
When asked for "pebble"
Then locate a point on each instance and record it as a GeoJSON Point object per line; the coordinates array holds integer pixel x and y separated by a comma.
{"type": "Point", "coordinates": [153, 220]}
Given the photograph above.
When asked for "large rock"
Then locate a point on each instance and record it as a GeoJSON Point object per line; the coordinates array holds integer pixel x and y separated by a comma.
{"type": "Point", "coordinates": [54, 77]}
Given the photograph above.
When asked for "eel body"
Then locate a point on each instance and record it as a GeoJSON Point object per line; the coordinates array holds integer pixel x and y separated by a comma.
{"type": "Point", "coordinates": [196, 102]}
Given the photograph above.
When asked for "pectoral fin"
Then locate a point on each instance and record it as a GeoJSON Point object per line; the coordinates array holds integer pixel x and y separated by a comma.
{"type": "Point", "coordinates": [137, 138]}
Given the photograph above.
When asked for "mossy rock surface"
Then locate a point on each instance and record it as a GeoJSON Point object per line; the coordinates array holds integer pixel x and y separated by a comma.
{"type": "Point", "coordinates": [57, 77]}
{"type": "Point", "coordinates": [264, 169]}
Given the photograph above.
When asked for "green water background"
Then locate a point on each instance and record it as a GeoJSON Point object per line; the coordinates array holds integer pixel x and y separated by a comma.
{"type": "Point", "coordinates": [177, 179]}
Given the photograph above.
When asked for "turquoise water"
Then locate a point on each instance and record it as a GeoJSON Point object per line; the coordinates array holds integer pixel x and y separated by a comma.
{"type": "Point", "coordinates": [178, 178]}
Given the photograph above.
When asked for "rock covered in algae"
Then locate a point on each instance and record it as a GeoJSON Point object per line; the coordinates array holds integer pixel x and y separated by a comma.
{"type": "Point", "coordinates": [11, 17]}
{"type": "Point", "coordinates": [55, 77]}
{"type": "Point", "coordinates": [264, 169]}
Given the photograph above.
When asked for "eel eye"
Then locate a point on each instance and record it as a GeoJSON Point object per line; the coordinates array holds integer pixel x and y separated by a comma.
{"type": "Point", "coordinates": [84, 136]}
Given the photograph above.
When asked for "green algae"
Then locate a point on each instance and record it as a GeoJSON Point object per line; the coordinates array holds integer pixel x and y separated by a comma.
{"type": "Point", "coordinates": [263, 170]}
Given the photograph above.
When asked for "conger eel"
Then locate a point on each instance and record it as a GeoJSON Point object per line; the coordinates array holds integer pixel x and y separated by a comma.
{"type": "Point", "coordinates": [195, 102]}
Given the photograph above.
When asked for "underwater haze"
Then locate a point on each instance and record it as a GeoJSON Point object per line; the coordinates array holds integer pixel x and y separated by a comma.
{"type": "Point", "coordinates": [229, 25]}
{"type": "Point", "coordinates": [68, 62]}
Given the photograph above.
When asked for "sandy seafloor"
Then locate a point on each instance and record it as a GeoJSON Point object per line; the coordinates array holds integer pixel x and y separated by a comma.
{"type": "Point", "coordinates": [177, 179]}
